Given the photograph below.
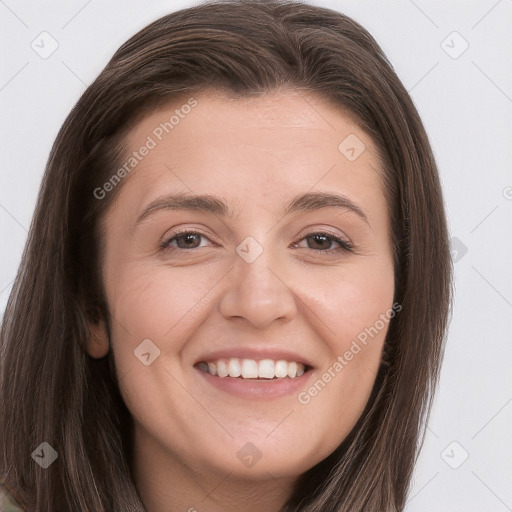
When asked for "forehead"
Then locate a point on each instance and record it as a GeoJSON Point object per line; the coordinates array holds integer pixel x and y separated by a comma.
{"type": "Point", "coordinates": [270, 144]}
{"type": "Point", "coordinates": [284, 109]}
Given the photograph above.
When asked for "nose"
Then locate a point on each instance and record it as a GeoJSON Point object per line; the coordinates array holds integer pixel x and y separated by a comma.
{"type": "Point", "coordinates": [258, 292]}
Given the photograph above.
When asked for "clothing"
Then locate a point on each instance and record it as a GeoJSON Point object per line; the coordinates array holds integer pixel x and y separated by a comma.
{"type": "Point", "coordinates": [7, 502]}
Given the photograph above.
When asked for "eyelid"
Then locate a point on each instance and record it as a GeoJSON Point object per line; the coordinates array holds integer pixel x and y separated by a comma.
{"type": "Point", "coordinates": [314, 230]}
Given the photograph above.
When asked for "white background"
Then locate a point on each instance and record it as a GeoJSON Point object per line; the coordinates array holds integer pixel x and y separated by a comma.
{"type": "Point", "coordinates": [466, 106]}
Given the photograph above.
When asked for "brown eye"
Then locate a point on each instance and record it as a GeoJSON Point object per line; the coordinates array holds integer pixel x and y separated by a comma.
{"type": "Point", "coordinates": [322, 242]}
{"type": "Point", "coordinates": [188, 240]}
{"type": "Point", "coordinates": [319, 241]}
{"type": "Point", "coordinates": [184, 240]}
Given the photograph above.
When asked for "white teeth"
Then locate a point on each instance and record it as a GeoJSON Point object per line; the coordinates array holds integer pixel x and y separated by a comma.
{"type": "Point", "coordinates": [292, 370]}
{"type": "Point", "coordinates": [252, 369]}
{"type": "Point", "coordinates": [234, 368]}
{"type": "Point", "coordinates": [222, 369]}
{"type": "Point", "coordinates": [249, 369]}
{"type": "Point", "coordinates": [266, 369]}
{"type": "Point", "coordinates": [281, 369]}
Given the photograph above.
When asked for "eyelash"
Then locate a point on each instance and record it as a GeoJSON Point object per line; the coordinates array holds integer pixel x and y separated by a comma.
{"type": "Point", "coordinates": [344, 246]}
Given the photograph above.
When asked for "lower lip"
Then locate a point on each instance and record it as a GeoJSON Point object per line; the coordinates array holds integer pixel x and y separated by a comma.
{"type": "Point", "coordinates": [257, 388]}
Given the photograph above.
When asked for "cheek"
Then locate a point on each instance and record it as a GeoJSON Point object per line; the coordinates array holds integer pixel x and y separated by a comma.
{"type": "Point", "coordinates": [158, 303]}
{"type": "Point", "coordinates": [154, 301]}
{"type": "Point", "coordinates": [351, 299]}
{"type": "Point", "coordinates": [355, 307]}
{"type": "Point", "coordinates": [154, 311]}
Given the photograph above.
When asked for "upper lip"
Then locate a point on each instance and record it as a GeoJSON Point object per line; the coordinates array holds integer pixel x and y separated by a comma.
{"type": "Point", "coordinates": [256, 353]}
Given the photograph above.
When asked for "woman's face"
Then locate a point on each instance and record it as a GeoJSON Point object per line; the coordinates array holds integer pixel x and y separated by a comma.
{"type": "Point", "coordinates": [281, 263]}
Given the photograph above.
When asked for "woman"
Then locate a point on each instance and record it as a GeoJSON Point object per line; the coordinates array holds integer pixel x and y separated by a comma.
{"type": "Point", "coordinates": [286, 362]}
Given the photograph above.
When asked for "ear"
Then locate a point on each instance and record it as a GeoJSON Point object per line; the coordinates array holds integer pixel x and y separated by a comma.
{"type": "Point", "coordinates": [98, 342]}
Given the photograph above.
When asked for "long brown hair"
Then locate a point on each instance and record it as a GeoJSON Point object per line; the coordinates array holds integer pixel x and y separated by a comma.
{"type": "Point", "coordinates": [52, 391]}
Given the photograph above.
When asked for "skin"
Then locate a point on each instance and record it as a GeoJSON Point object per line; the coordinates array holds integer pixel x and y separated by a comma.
{"type": "Point", "coordinates": [256, 154]}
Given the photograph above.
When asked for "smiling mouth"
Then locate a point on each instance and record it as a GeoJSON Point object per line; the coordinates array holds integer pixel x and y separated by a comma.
{"type": "Point", "coordinates": [267, 369]}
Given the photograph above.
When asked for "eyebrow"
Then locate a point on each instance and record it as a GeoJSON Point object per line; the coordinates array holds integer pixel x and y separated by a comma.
{"type": "Point", "coordinates": [211, 204]}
